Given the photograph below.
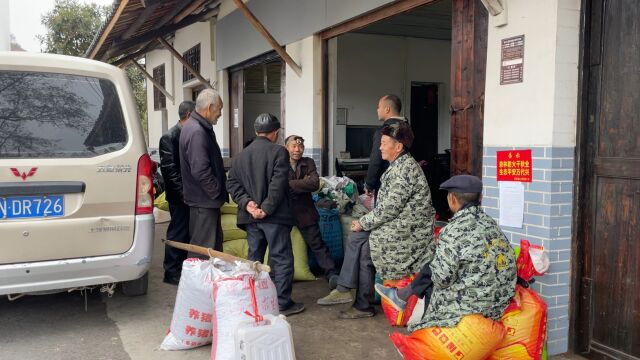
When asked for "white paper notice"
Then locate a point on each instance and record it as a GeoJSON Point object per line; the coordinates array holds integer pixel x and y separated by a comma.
{"type": "Point", "coordinates": [511, 203]}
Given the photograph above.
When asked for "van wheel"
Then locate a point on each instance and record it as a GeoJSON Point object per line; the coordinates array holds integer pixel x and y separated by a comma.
{"type": "Point", "coordinates": [136, 287]}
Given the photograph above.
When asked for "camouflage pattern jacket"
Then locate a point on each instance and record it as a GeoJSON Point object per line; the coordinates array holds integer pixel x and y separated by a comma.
{"type": "Point", "coordinates": [474, 271]}
{"type": "Point", "coordinates": [401, 223]}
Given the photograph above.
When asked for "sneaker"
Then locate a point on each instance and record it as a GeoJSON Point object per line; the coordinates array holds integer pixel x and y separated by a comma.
{"type": "Point", "coordinates": [390, 294]}
{"type": "Point", "coordinates": [294, 308]}
{"type": "Point", "coordinates": [335, 297]}
{"type": "Point", "coordinates": [354, 313]}
{"type": "Point", "coordinates": [333, 281]}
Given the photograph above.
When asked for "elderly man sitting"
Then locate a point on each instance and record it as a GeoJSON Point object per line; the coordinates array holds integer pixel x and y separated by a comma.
{"type": "Point", "coordinates": [474, 268]}
{"type": "Point", "coordinates": [396, 236]}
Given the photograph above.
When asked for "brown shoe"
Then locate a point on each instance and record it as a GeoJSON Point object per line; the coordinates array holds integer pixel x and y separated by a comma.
{"type": "Point", "coordinates": [354, 313]}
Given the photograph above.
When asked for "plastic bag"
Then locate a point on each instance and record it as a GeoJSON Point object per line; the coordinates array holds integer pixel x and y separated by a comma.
{"type": "Point", "coordinates": [531, 261]}
{"type": "Point", "coordinates": [191, 322]}
{"type": "Point", "coordinates": [474, 338]}
{"type": "Point", "coordinates": [236, 288]}
{"type": "Point", "coordinates": [161, 202]}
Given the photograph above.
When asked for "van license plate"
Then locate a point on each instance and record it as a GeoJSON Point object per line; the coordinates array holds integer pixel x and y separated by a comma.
{"type": "Point", "coordinates": [20, 207]}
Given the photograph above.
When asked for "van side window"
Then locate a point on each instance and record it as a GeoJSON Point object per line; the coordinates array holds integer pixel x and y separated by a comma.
{"type": "Point", "coordinates": [47, 115]}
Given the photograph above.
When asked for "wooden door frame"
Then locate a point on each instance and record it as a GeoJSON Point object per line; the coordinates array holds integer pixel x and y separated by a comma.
{"type": "Point", "coordinates": [239, 68]}
{"type": "Point", "coordinates": [578, 334]}
{"type": "Point", "coordinates": [471, 52]}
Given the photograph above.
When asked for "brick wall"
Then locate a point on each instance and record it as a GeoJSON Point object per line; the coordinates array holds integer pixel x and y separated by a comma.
{"type": "Point", "coordinates": [547, 222]}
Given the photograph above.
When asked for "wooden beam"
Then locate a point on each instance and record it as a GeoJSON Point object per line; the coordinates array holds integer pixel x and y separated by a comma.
{"type": "Point", "coordinates": [395, 8]}
{"type": "Point", "coordinates": [184, 62]}
{"type": "Point", "coordinates": [171, 14]}
{"type": "Point", "coordinates": [188, 10]}
{"type": "Point", "coordinates": [107, 30]}
{"type": "Point", "coordinates": [153, 81]}
{"type": "Point", "coordinates": [120, 47]}
{"type": "Point", "coordinates": [147, 3]}
{"type": "Point", "coordinates": [148, 11]}
{"type": "Point", "coordinates": [263, 31]}
{"type": "Point", "coordinates": [143, 50]}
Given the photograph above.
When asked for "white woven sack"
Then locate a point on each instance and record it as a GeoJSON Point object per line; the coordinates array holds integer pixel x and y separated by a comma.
{"type": "Point", "coordinates": [232, 299]}
{"type": "Point", "coordinates": [191, 322]}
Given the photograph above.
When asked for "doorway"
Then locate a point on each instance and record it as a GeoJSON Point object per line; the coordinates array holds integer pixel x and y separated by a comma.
{"type": "Point", "coordinates": [255, 87]}
{"type": "Point", "coordinates": [438, 48]}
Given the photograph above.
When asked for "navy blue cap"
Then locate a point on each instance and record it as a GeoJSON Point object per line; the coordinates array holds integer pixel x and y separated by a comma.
{"type": "Point", "coordinates": [463, 184]}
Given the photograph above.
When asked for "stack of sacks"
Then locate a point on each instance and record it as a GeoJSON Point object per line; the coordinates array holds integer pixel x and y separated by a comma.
{"type": "Point", "coordinates": [235, 243]}
{"type": "Point", "coordinates": [235, 239]}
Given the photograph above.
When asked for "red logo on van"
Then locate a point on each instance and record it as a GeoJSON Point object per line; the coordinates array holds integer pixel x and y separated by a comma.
{"type": "Point", "coordinates": [23, 175]}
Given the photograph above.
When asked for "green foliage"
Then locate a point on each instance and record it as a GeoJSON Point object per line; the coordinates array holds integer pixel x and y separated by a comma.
{"type": "Point", "coordinates": [71, 27]}
{"type": "Point", "coordinates": [136, 77]}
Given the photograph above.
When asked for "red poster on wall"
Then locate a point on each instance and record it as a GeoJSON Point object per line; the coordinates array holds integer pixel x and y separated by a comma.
{"type": "Point", "coordinates": [513, 165]}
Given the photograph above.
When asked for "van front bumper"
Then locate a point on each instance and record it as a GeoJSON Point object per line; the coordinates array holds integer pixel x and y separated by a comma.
{"type": "Point", "coordinates": [90, 271]}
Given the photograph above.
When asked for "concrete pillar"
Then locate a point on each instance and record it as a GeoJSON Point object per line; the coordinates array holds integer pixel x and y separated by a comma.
{"type": "Point", "coordinates": [538, 114]}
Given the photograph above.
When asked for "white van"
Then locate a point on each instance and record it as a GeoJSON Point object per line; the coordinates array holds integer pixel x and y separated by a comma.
{"type": "Point", "coordinates": [76, 194]}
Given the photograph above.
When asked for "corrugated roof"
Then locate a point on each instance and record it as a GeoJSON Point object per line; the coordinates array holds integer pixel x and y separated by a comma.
{"type": "Point", "coordinates": [133, 25]}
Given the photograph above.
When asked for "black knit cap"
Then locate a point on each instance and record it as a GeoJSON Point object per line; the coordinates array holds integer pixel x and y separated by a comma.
{"type": "Point", "coordinates": [401, 132]}
{"type": "Point", "coordinates": [266, 123]}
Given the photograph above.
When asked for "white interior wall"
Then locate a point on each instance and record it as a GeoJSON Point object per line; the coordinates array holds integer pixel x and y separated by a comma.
{"type": "Point", "coordinates": [542, 110]}
{"type": "Point", "coordinates": [370, 66]}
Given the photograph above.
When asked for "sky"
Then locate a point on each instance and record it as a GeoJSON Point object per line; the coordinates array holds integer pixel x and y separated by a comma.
{"type": "Point", "coordinates": [24, 20]}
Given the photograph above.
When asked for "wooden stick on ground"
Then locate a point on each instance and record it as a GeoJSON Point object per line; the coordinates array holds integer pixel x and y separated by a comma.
{"type": "Point", "coordinates": [213, 253]}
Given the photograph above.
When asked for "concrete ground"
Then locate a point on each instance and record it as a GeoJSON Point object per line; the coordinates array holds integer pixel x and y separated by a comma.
{"type": "Point", "coordinates": [57, 326]}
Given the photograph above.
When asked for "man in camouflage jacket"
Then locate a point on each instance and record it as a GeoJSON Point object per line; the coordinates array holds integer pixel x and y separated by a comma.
{"type": "Point", "coordinates": [474, 268]}
{"type": "Point", "coordinates": [396, 236]}
{"type": "Point", "coordinates": [401, 223]}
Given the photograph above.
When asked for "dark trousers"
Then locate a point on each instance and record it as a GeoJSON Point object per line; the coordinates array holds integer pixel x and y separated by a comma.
{"type": "Point", "coordinates": [278, 237]}
{"type": "Point", "coordinates": [178, 230]}
{"type": "Point", "coordinates": [205, 229]}
{"type": "Point", "coordinates": [313, 238]}
{"type": "Point", "coordinates": [358, 271]}
{"type": "Point", "coordinates": [421, 286]}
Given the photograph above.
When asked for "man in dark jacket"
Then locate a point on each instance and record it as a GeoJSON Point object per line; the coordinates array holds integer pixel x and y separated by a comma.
{"type": "Point", "coordinates": [389, 108]}
{"type": "Point", "coordinates": [203, 178]}
{"type": "Point", "coordinates": [259, 184]}
{"type": "Point", "coordinates": [178, 229]}
{"type": "Point", "coordinates": [303, 180]}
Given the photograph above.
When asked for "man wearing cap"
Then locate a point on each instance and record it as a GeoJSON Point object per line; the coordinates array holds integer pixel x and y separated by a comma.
{"type": "Point", "coordinates": [474, 268]}
{"type": "Point", "coordinates": [178, 229]}
{"type": "Point", "coordinates": [396, 236]}
{"type": "Point", "coordinates": [303, 180]}
{"type": "Point", "coordinates": [203, 177]}
{"type": "Point", "coordinates": [388, 110]}
{"type": "Point", "coordinates": [259, 184]}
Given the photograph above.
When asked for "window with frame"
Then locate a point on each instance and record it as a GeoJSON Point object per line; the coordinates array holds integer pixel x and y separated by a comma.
{"type": "Point", "coordinates": [192, 57]}
{"type": "Point", "coordinates": [263, 78]}
{"type": "Point", "coordinates": [159, 99]}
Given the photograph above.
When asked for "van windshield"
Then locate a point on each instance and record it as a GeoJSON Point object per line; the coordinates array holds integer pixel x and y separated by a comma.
{"type": "Point", "coordinates": [46, 115]}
